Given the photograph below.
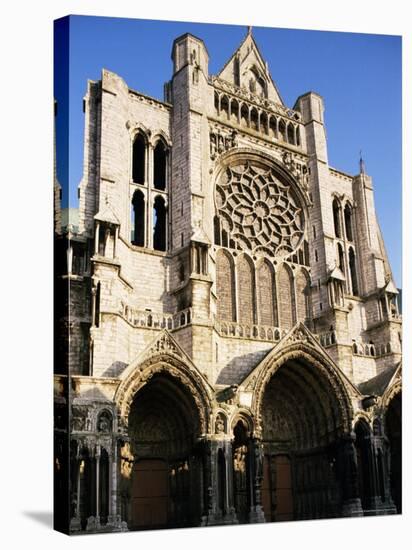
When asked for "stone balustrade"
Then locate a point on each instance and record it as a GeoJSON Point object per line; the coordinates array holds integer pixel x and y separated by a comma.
{"type": "Point", "coordinates": [255, 332]}
{"type": "Point", "coordinates": [327, 339]}
{"type": "Point", "coordinates": [371, 350]}
{"type": "Point", "coordinates": [157, 321]}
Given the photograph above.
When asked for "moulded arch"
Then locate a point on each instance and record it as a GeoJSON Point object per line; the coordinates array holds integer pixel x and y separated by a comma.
{"type": "Point", "coordinates": [348, 218]}
{"type": "Point", "coordinates": [139, 157]}
{"type": "Point", "coordinates": [330, 378]}
{"type": "Point", "coordinates": [337, 209]}
{"type": "Point", "coordinates": [136, 376]}
{"type": "Point", "coordinates": [244, 416]}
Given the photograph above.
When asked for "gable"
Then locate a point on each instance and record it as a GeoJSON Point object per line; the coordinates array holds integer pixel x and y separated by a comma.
{"type": "Point", "coordinates": [247, 69]}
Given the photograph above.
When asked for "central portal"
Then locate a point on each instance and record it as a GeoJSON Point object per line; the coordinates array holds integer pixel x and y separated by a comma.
{"type": "Point", "coordinates": [301, 423]}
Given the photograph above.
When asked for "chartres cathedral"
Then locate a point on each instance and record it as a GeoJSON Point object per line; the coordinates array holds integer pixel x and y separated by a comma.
{"type": "Point", "coordinates": [230, 345]}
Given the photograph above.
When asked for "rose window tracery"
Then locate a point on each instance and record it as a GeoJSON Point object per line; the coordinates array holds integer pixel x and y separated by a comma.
{"type": "Point", "coordinates": [259, 212]}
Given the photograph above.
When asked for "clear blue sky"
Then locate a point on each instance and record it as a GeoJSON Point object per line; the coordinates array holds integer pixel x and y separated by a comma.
{"type": "Point", "coordinates": [358, 75]}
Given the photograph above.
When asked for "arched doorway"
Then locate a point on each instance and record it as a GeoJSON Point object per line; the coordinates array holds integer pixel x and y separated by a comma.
{"type": "Point", "coordinates": [302, 422]}
{"type": "Point", "coordinates": [393, 428]}
{"type": "Point", "coordinates": [166, 477]}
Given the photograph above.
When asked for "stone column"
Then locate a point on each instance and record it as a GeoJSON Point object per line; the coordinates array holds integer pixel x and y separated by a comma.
{"type": "Point", "coordinates": [349, 476]}
{"type": "Point", "coordinates": [97, 486]}
{"type": "Point", "coordinates": [116, 237]}
{"type": "Point", "coordinates": [94, 291]}
{"type": "Point", "coordinates": [149, 209]}
{"type": "Point", "coordinates": [75, 522]}
{"type": "Point", "coordinates": [389, 505]}
{"type": "Point", "coordinates": [208, 497]}
{"type": "Point", "coordinates": [96, 238]}
{"type": "Point", "coordinates": [256, 514]}
{"type": "Point", "coordinates": [69, 259]}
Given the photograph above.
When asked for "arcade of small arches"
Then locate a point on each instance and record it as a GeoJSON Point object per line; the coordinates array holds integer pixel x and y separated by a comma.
{"type": "Point", "coordinates": [149, 192]}
{"type": "Point", "coordinates": [259, 293]}
{"type": "Point", "coordinates": [302, 455]}
{"type": "Point", "coordinates": [242, 113]}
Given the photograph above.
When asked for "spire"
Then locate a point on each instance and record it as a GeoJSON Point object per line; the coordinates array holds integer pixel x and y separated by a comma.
{"type": "Point", "coordinates": [361, 163]}
{"type": "Point", "coordinates": [249, 29]}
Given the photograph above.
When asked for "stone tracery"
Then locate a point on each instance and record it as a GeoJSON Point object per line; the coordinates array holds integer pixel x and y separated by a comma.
{"type": "Point", "coordinates": [259, 212]}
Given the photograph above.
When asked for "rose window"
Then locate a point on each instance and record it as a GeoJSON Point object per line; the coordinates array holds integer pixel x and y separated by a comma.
{"type": "Point", "coordinates": [259, 212]}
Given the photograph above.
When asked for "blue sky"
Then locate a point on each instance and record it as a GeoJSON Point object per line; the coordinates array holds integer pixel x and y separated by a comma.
{"type": "Point", "coordinates": [358, 75]}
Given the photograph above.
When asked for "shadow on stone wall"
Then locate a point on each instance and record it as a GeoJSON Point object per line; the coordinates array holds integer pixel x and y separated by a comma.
{"type": "Point", "coordinates": [115, 369]}
{"type": "Point", "coordinates": [239, 367]}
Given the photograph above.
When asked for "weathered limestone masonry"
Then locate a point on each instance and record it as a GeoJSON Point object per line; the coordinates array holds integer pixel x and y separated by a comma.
{"type": "Point", "coordinates": [232, 332]}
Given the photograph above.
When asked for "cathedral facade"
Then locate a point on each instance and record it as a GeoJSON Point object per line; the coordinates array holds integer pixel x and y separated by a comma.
{"type": "Point", "coordinates": [230, 347]}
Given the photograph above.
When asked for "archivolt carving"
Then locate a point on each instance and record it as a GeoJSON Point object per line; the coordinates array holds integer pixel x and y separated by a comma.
{"type": "Point", "coordinates": [259, 212]}
{"type": "Point", "coordinates": [164, 363]}
{"type": "Point", "coordinates": [390, 393]}
{"type": "Point", "coordinates": [310, 356]}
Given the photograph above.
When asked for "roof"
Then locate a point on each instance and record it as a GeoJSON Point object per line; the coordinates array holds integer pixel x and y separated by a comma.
{"type": "Point", "coordinates": [239, 367]}
{"type": "Point", "coordinates": [378, 384]}
{"type": "Point", "coordinates": [107, 215]}
{"type": "Point", "coordinates": [336, 273]}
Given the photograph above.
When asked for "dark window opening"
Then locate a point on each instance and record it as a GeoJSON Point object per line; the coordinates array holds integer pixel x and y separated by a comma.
{"type": "Point", "coordinates": [282, 130]}
{"type": "Point", "coordinates": [306, 248]}
{"type": "Point", "coordinates": [160, 163]}
{"type": "Point", "coordinates": [348, 222]}
{"type": "Point", "coordinates": [254, 119]}
{"type": "Point", "coordinates": [138, 219]}
{"type": "Point", "coordinates": [353, 276]}
{"type": "Point", "coordinates": [217, 102]}
{"type": "Point", "coordinates": [97, 307]}
{"type": "Point", "coordinates": [224, 238]}
{"type": "Point", "coordinates": [291, 135]}
{"type": "Point", "coordinates": [159, 224]}
{"type": "Point", "coordinates": [244, 115]}
{"type": "Point", "coordinates": [341, 263]}
{"type": "Point", "coordinates": [224, 106]}
{"type": "Point", "coordinates": [216, 227]}
{"type": "Point", "coordinates": [336, 218]}
{"type": "Point", "coordinates": [139, 158]}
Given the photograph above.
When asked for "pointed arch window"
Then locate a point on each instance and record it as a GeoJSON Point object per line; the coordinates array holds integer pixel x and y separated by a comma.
{"type": "Point", "coordinates": [348, 222]}
{"type": "Point", "coordinates": [245, 272]}
{"type": "Point", "coordinates": [139, 159]}
{"type": "Point", "coordinates": [159, 224]}
{"type": "Point", "coordinates": [225, 287]}
{"type": "Point", "coordinates": [353, 273]}
{"type": "Point", "coordinates": [336, 218]}
{"type": "Point", "coordinates": [160, 166]}
{"type": "Point", "coordinates": [138, 219]}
